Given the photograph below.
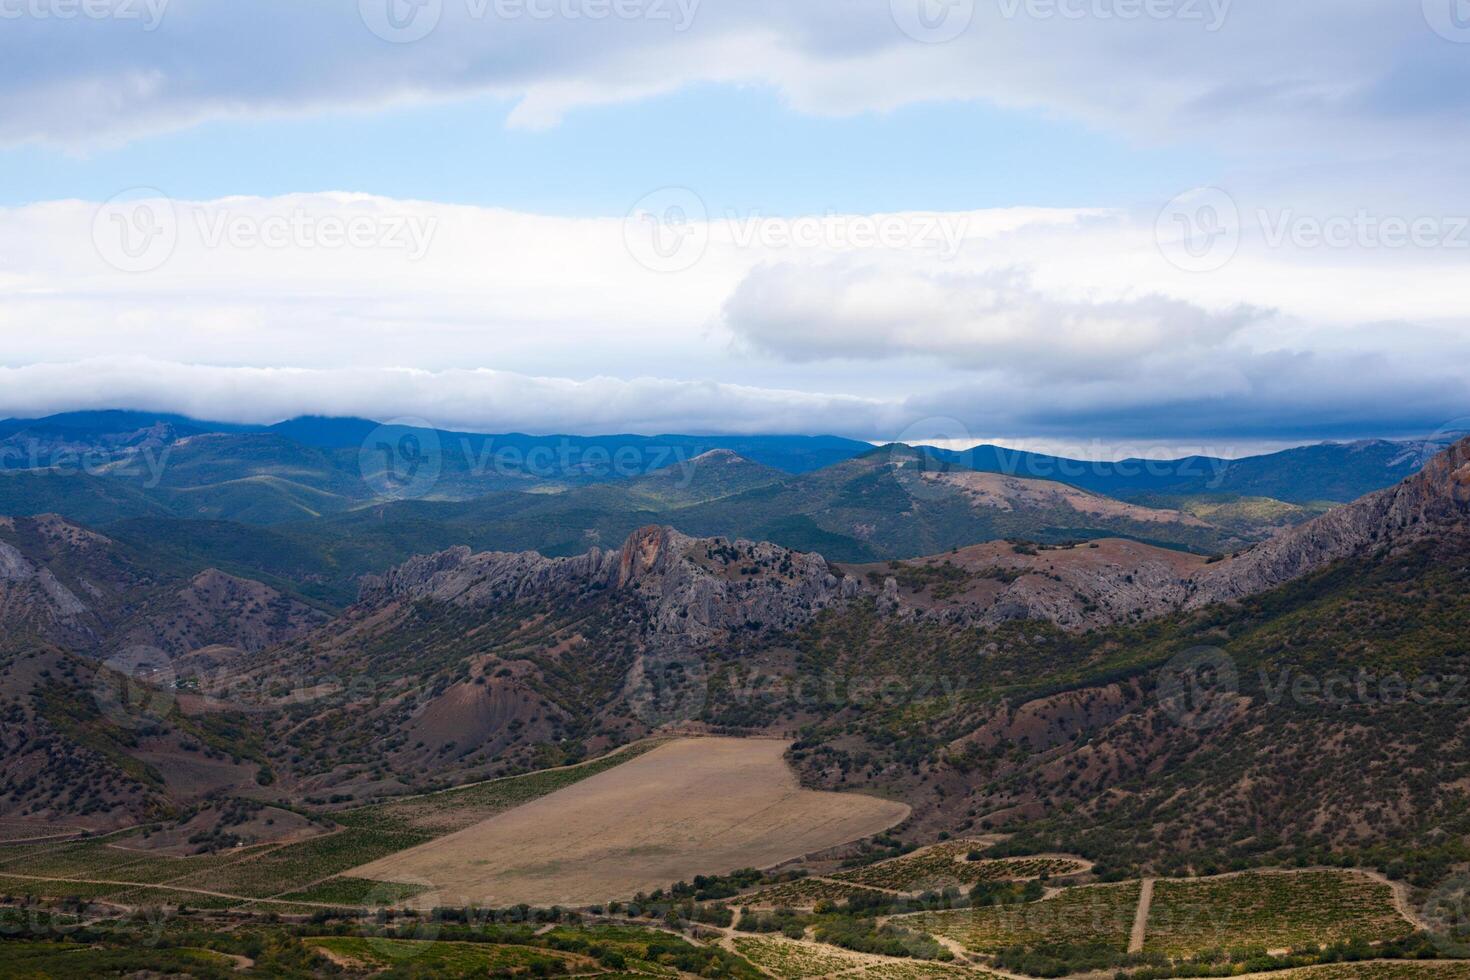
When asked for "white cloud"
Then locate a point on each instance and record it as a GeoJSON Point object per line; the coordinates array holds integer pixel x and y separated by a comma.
{"type": "Point", "coordinates": [978, 321]}
{"type": "Point", "coordinates": [1234, 75]}
{"type": "Point", "coordinates": [1036, 323]}
{"type": "Point", "coordinates": [475, 399]}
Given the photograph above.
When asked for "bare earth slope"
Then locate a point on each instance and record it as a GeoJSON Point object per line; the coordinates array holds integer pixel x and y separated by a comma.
{"type": "Point", "coordinates": [693, 806]}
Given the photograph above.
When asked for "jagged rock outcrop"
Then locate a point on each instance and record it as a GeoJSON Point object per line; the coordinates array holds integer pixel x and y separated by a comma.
{"type": "Point", "coordinates": [1432, 501]}
{"type": "Point", "coordinates": [463, 577]}
{"type": "Point", "coordinates": [692, 588]}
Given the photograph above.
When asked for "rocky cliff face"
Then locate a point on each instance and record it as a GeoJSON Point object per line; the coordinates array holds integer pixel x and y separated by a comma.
{"type": "Point", "coordinates": [1082, 586]}
{"type": "Point", "coordinates": [691, 588]}
{"type": "Point", "coordinates": [1434, 501]}
{"type": "Point", "coordinates": [462, 577]}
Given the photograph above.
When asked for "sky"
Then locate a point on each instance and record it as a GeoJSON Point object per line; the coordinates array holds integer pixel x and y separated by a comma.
{"type": "Point", "coordinates": [1111, 227]}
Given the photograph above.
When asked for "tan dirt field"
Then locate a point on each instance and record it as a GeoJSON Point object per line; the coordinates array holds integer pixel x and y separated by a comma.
{"type": "Point", "coordinates": [691, 806]}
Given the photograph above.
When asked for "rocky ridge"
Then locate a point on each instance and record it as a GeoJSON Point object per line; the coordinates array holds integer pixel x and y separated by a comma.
{"type": "Point", "coordinates": [692, 588]}
{"type": "Point", "coordinates": [1432, 501]}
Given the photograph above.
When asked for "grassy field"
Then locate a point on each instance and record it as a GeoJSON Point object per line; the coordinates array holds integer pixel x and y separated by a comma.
{"type": "Point", "coordinates": [306, 869]}
{"type": "Point", "coordinates": [1099, 915]}
{"type": "Point", "coordinates": [455, 809]}
{"type": "Point", "coordinates": [1270, 910]}
{"type": "Point", "coordinates": [689, 807]}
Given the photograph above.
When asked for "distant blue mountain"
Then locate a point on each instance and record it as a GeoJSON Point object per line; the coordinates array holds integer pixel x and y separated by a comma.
{"type": "Point", "coordinates": [577, 458]}
{"type": "Point", "coordinates": [1329, 471]}
{"type": "Point", "coordinates": [113, 422]}
{"type": "Point", "coordinates": [475, 463]}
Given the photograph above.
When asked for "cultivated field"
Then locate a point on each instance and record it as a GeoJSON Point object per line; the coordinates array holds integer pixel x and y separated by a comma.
{"type": "Point", "coordinates": [305, 872]}
{"type": "Point", "coordinates": [795, 960]}
{"type": "Point", "coordinates": [804, 893]}
{"type": "Point", "coordinates": [1274, 910]}
{"type": "Point", "coordinates": [1099, 915]}
{"type": "Point", "coordinates": [1382, 970]}
{"type": "Point", "coordinates": [448, 959]}
{"type": "Point", "coordinates": [945, 864]}
{"type": "Point", "coordinates": [692, 806]}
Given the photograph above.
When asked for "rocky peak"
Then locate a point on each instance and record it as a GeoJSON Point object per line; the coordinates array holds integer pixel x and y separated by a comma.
{"type": "Point", "coordinates": [1434, 500]}
{"type": "Point", "coordinates": [691, 588]}
{"type": "Point", "coordinates": [650, 552]}
{"type": "Point", "coordinates": [727, 456]}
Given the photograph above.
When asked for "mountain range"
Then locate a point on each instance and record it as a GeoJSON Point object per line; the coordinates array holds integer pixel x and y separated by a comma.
{"type": "Point", "coordinates": [310, 504]}
{"type": "Point", "coordinates": [1035, 635]}
{"type": "Point", "coordinates": [151, 661]}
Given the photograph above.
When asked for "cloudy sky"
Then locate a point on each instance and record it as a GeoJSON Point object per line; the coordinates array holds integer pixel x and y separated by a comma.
{"type": "Point", "coordinates": [1101, 225]}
